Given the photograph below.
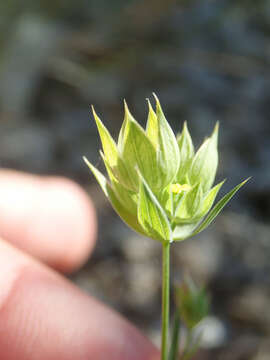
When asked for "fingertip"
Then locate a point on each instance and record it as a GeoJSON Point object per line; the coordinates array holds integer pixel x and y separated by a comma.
{"type": "Point", "coordinates": [76, 234]}
{"type": "Point", "coordinates": [50, 218]}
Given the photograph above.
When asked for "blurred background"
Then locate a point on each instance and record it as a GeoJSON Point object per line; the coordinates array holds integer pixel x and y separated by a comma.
{"type": "Point", "coordinates": [207, 60]}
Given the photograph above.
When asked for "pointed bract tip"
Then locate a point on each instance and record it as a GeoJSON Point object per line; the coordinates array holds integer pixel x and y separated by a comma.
{"type": "Point", "coordinates": [93, 110]}
{"type": "Point", "coordinates": [156, 98]}
{"type": "Point", "coordinates": [245, 181]}
{"type": "Point", "coordinates": [101, 153]}
{"type": "Point", "coordinates": [97, 119]}
{"type": "Point", "coordinates": [151, 110]}
{"type": "Point", "coordinates": [158, 106]}
{"type": "Point", "coordinates": [216, 129]}
{"type": "Point", "coordinates": [185, 127]}
{"type": "Point", "coordinates": [126, 106]}
{"type": "Point", "coordinates": [86, 161]}
{"type": "Point", "coordinates": [214, 134]}
{"type": "Point", "coordinates": [126, 109]}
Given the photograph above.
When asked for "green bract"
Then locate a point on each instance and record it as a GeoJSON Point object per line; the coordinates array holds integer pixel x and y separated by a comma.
{"type": "Point", "coordinates": [192, 303]}
{"type": "Point", "coordinates": [157, 183]}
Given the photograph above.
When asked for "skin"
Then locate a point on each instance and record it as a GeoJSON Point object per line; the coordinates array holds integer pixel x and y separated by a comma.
{"type": "Point", "coordinates": [48, 226]}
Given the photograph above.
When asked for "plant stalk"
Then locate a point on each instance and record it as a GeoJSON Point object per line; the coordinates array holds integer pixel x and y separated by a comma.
{"type": "Point", "coordinates": [187, 350]}
{"type": "Point", "coordinates": [174, 349]}
{"type": "Point", "coordinates": [165, 298]}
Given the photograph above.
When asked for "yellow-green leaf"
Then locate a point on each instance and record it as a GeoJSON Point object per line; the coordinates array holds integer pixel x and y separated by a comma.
{"type": "Point", "coordinates": [210, 198]}
{"type": "Point", "coordinates": [152, 125]}
{"type": "Point", "coordinates": [108, 144]}
{"type": "Point", "coordinates": [126, 197]}
{"type": "Point", "coordinates": [183, 231]}
{"type": "Point", "coordinates": [186, 150]}
{"type": "Point", "coordinates": [204, 165]}
{"type": "Point", "coordinates": [217, 208]}
{"type": "Point", "coordinates": [139, 152]}
{"type": "Point", "coordinates": [126, 216]}
{"type": "Point", "coordinates": [168, 151]}
{"type": "Point", "coordinates": [151, 216]}
{"type": "Point", "coordinates": [190, 205]}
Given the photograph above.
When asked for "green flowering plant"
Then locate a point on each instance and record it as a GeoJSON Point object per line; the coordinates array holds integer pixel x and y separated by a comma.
{"type": "Point", "coordinates": [192, 302]}
{"type": "Point", "coordinates": [159, 185]}
{"type": "Point", "coordinates": [192, 306]}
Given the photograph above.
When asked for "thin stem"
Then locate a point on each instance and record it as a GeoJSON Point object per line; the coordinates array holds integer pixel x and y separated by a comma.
{"type": "Point", "coordinates": [192, 345]}
{"type": "Point", "coordinates": [165, 298]}
{"type": "Point", "coordinates": [174, 350]}
{"type": "Point", "coordinates": [186, 354]}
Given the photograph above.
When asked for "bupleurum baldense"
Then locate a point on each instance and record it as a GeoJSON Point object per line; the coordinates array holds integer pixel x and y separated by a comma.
{"type": "Point", "coordinates": [159, 185]}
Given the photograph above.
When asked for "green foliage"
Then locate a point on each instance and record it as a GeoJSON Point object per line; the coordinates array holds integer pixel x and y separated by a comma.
{"type": "Point", "coordinates": [158, 185]}
{"type": "Point", "coordinates": [151, 216]}
{"type": "Point", "coordinates": [192, 303]}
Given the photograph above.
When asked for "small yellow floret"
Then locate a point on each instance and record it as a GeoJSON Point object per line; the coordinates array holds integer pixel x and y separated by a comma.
{"type": "Point", "coordinates": [177, 188]}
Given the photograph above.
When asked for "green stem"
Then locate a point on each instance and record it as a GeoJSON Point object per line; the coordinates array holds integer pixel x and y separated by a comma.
{"type": "Point", "coordinates": [192, 345]}
{"type": "Point", "coordinates": [165, 298]}
{"type": "Point", "coordinates": [174, 349]}
{"type": "Point", "coordinates": [186, 354]}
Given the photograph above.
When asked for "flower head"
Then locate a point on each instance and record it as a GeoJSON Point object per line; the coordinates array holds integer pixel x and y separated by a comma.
{"type": "Point", "coordinates": [157, 183]}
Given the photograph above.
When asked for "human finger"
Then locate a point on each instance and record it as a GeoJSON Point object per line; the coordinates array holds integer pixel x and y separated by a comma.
{"type": "Point", "coordinates": [51, 218]}
{"type": "Point", "coordinates": [45, 317]}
